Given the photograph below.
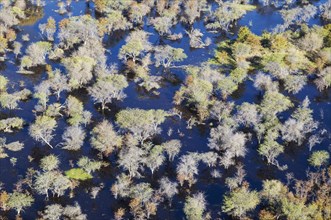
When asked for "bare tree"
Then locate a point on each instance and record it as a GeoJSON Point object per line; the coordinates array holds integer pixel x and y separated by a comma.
{"type": "Point", "coordinates": [42, 129]}
{"type": "Point", "coordinates": [172, 148]}
{"type": "Point", "coordinates": [73, 138]}
{"type": "Point", "coordinates": [104, 138]}
{"type": "Point", "coordinates": [168, 188]}
{"type": "Point", "coordinates": [108, 88]}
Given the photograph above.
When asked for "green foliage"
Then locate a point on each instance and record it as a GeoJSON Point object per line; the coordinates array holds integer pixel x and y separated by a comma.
{"type": "Point", "coordinates": [270, 149]}
{"type": "Point", "coordinates": [19, 201]}
{"type": "Point", "coordinates": [272, 189]}
{"type": "Point", "coordinates": [7, 125]}
{"type": "Point", "coordinates": [89, 165]}
{"type": "Point", "coordinates": [240, 201]}
{"type": "Point", "coordinates": [3, 83]}
{"type": "Point", "coordinates": [78, 174]}
{"type": "Point", "coordinates": [195, 206]}
{"type": "Point", "coordinates": [50, 162]}
{"type": "Point", "coordinates": [318, 158]}
{"type": "Point", "coordinates": [142, 123]}
{"type": "Point", "coordinates": [136, 44]}
{"type": "Point", "coordinates": [79, 69]}
{"type": "Point", "coordinates": [274, 102]}
{"type": "Point", "coordinates": [104, 138]}
{"type": "Point", "coordinates": [296, 209]}
{"type": "Point", "coordinates": [227, 85]}
{"type": "Point", "coordinates": [75, 111]}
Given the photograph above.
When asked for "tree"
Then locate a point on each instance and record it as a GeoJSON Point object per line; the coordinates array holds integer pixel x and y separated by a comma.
{"type": "Point", "coordinates": [74, 212]}
{"type": "Point", "coordinates": [49, 163]}
{"type": "Point", "coordinates": [226, 13]}
{"type": "Point", "coordinates": [57, 212]}
{"type": "Point", "coordinates": [42, 93]}
{"type": "Point", "coordinates": [89, 165]}
{"type": "Point", "coordinates": [318, 158]}
{"type": "Point", "coordinates": [296, 15]}
{"type": "Point", "coordinates": [17, 48]}
{"type": "Point", "coordinates": [77, 29]}
{"type": "Point", "coordinates": [76, 113]}
{"type": "Point", "coordinates": [3, 83]}
{"type": "Point", "coordinates": [37, 53]}
{"type": "Point", "coordinates": [52, 212]}
{"type": "Point", "coordinates": [138, 11]}
{"type": "Point", "coordinates": [295, 83]}
{"type": "Point", "coordinates": [272, 190]}
{"type": "Point", "coordinates": [155, 158]}
{"type": "Point", "coordinates": [195, 39]}
{"type": "Point", "coordinates": [324, 79]}
{"type": "Point", "coordinates": [113, 22]}
{"type": "Point", "coordinates": [8, 124]}
{"type": "Point", "coordinates": [172, 148]}
{"type": "Point", "coordinates": [240, 201]}
{"type": "Point", "coordinates": [44, 182]}
{"type": "Point", "coordinates": [221, 111]}
{"type": "Point", "coordinates": [79, 69]}
{"type": "Point", "coordinates": [73, 138]}
{"type": "Point", "coordinates": [48, 28]}
{"type": "Point", "coordinates": [264, 82]}
{"type": "Point", "coordinates": [136, 45]}
{"type": "Point", "coordinates": [224, 138]}
{"type": "Point", "coordinates": [209, 158]}
{"type": "Point", "coordinates": [274, 102]}
{"type": "Point", "coordinates": [187, 168]}
{"type": "Point", "coordinates": [141, 123]}
{"type": "Point", "coordinates": [166, 55]}
{"type": "Point", "coordinates": [42, 129]}
{"type": "Point", "coordinates": [197, 91]}
{"type": "Point", "coordinates": [104, 138]}
{"type": "Point", "coordinates": [10, 101]}
{"type": "Point", "coordinates": [168, 188]}
{"type": "Point", "coordinates": [131, 159]}
{"type": "Point", "coordinates": [58, 82]}
{"type": "Point", "coordinates": [195, 207]}
{"type": "Point", "coordinates": [162, 24]}
{"type": "Point", "coordinates": [300, 124]}
{"type": "Point", "coordinates": [19, 201]}
{"type": "Point", "coordinates": [108, 88]}
{"type": "Point", "coordinates": [60, 184]}
{"type": "Point", "coordinates": [248, 114]}
{"type": "Point", "coordinates": [270, 149]}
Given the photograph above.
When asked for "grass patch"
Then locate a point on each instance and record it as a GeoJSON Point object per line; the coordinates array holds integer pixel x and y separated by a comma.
{"type": "Point", "coordinates": [78, 174]}
{"type": "Point", "coordinates": [244, 7]}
